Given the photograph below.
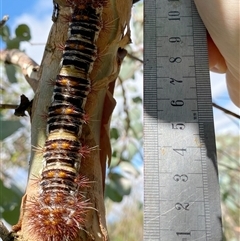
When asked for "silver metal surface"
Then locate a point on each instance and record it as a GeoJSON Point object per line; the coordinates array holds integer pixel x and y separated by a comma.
{"type": "Point", "coordinates": [181, 189]}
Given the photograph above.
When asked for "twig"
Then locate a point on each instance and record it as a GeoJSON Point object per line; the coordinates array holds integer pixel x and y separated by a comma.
{"type": "Point", "coordinates": [134, 58]}
{"type": "Point", "coordinates": [4, 20]}
{"type": "Point", "coordinates": [33, 44]}
{"type": "Point", "coordinates": [29, 67]}
{"type": "Point", "coordinates": [226, 111]}
{"type": "Point", "coordinates": [125, 107]}
{"type": "Point", "coordinates": [228, 167]}
{"type": "Point", "coordinates": [127, 119]}
{"type": "Point", "coordinates": [227, 155]}
{"type": "Point", "coordinates": [7, 106]}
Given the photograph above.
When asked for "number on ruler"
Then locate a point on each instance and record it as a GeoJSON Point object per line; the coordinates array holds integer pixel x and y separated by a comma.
{"type": "Point", "coordinates": [177, 103]}
{"type": "Point", "coordinates": [179, 126]}
{"type": "Point", "coordinates": [175, 60]}
{"type": "Point", "coordinates": [180, 206]}
{"type": "Point", "coordinates": [180, 151]}
{"type": "Point", "coordinates": [174, 40]}
{"type": "Point", "coordinates": [174, 15]}
{"type": "Point", "coordinates": [172, 81]}
{"type": "Point", "coordinates": [182, 177]}
{"type": "Point", "coordinates": [183, 234]}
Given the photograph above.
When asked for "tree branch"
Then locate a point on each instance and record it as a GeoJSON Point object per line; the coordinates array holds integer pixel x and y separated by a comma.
{"type": "Point", "coordinates": [29, 67]}
{"type": "Point", "coordinates": [226, 111]}
{"type": "Point", "coordinates": [4, 20]}
{"type": "Point", "coordinates": [134, 58]}
{"type": "Point", "coordinates": [8, 106]}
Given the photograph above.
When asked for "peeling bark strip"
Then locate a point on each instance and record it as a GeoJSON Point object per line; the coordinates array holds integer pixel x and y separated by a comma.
{"type": "Point", "coordinates": [66, 202]}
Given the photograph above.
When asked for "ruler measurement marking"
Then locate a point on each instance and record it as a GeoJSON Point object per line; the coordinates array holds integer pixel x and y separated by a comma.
{"type": "Point", "coordinates": [175, 14]}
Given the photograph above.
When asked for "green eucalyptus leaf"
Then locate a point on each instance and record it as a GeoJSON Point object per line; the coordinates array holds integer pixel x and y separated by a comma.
{"type": "Point", "coordinates": [114, 159]}
{"type": "Point", "coordinates": [138, 129]}
{"type": "Point", "coordinates": [5, 33]}
{"type": "Point", "coordinates": [129, 152]}
{"type": "Point", "coordinates": [121, 184]}
{"type": "Point", "coordinates": [225, 195]}
{"type": "Point", "coordinates": [12, 215]}
{"type": "Point", "coordinates": [10, 200]}
{"type": "Point", "coordinates": [23, 32]}
{"type": "Point", "coordinates": [114, 133]}
{"type": "Point", "coordinates": [129, 168]}
{"type": "Point", "coordinates": [13, 43]}
{"type": "Point", "coordinates": [8, 127]}
{"type": "Point", "coordinates": [112, 193]}
{"type": "Point", "coordinates": [137, 99]}
{"type": "Point", "coordinates": [114, 154]}
{"type": "Point", "coordinates": [11, 73]}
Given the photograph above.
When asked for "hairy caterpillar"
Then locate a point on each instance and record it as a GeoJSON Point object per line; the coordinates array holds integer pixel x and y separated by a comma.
{"type": "Point", "coordinates": [58, 213]}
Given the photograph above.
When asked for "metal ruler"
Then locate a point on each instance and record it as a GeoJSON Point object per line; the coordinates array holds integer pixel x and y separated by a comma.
{"type": "Point", "coordinates": [181, 189]}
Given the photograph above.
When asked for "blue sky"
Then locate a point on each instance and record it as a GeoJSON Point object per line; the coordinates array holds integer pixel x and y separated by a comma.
{"type": "Point", "coordinates": [15, 8]}
{"type": "Point", "coordinates": [37, 15]}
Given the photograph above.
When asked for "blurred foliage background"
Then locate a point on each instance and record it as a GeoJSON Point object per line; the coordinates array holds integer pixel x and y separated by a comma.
{"type": "Point", "coordinates": [124, 182]}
